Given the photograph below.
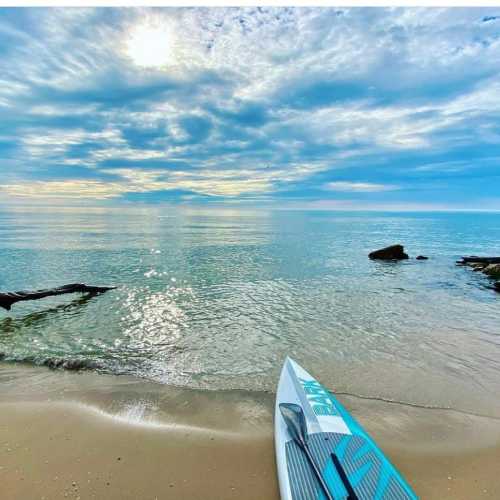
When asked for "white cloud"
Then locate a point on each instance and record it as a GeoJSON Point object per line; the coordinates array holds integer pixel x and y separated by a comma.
{"type": "Point", "coordinates": [58, 141]}
{"type": "Point", "coordinates": [208, 182]}
{"type": "Point", "coordinates": [64, 189]}
{"type": "Point", "coordinates": [359, 187]}
{"type": "Point", "coordinates": [432, 76]}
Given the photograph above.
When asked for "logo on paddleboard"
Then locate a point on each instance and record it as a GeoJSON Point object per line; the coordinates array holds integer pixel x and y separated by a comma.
{"type": "Point", "coordinates": [318, 398]}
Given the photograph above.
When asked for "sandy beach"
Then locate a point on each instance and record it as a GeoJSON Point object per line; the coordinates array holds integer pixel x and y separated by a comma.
{"type": "Point", "coordinates": [88, 456]}
{"type": "Point", "coordinates": [194, 197]}
{"type": "Point", "coordinates": [96, 436]}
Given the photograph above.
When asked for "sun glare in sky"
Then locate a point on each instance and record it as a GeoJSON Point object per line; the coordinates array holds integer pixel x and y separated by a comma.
{"type": "Point", "coordinates": [325, 108]}
{"type": "Point", "coordinates": [151, 45]}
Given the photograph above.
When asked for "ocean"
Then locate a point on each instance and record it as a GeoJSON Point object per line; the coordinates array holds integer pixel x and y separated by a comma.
{"type": "Point", "coordinates": [215, 299]}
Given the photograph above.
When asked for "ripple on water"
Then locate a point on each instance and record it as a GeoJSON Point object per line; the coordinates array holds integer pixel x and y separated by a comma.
{"type": "Point", "coordinates": [217, 300]}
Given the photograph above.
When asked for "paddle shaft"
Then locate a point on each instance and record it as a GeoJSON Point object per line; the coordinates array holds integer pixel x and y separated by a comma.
{"type": "Point", "coordinates": [309, 456]}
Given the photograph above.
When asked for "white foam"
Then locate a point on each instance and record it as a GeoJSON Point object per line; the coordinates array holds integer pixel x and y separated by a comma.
{"type": "Point", "coordinates": [135, 415]}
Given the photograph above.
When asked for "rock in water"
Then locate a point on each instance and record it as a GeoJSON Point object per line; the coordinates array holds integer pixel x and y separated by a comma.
{"type": "Point", "coordinates": [393, 252]}
{"type": "Point", "coordinates": [70, 364]}
{"type": "Point", "coordinates": [475, 259]}
{"type": "Point", "coordinates": [477, 266]}
{"type": "Point", "coordinates": [422, 257]}
{"type": "Point", "coordinates": [492, 270]}
{"type": "Point", "coordinates": [497, 286]}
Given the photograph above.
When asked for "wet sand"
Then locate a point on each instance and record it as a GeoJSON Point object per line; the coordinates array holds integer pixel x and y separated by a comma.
{"type": "Point", "coordinates": [92, 436]}
{"type": "Point", "coordinates": [62, 451]}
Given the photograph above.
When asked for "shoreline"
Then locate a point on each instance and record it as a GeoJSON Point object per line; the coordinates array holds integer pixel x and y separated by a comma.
{"type": "Point", "coordinates": [84, 435]}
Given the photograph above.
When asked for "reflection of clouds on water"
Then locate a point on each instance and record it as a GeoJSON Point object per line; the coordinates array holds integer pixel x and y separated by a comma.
{"type": "Point", "coordinates": [231, 294]}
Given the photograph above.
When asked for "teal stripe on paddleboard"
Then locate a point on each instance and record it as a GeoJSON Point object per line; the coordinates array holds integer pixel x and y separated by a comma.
{"type": "Point", "coordinates": [367, 474]}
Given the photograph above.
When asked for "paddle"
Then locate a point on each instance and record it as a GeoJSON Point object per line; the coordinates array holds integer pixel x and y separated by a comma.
{"type": "Point", "coordinates": [297, 427]}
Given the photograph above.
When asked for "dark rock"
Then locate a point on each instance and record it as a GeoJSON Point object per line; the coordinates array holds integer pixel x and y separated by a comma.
{"type": "Point", "coordinates": [393, 252]}
{"type": "Point", "coordinates": [492, 270]}
{"type": "Point", "coordinates": [490, 266]}
{"type": "Point", "coordinates": [477, 266]}
{"type": "Point", "coordinates": [475, 258]}
{"type": "Point", "coordinates": [422, 257]}
{"type": "Point", "coordinates": [68, 364]}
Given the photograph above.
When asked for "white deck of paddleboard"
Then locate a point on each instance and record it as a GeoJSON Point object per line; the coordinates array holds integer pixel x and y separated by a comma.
{"type": "Point", "coordinates": [331, 429]}
{"type": "Point", "coordinates": [290, 391]}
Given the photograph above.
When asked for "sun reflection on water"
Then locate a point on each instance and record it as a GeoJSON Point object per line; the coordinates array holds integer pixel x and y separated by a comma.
{"type": "Point", "coordinates": [154, 319]}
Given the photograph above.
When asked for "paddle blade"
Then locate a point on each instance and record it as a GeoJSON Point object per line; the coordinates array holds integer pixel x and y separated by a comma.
{"type": "Point", "coordinates": [295, 422]}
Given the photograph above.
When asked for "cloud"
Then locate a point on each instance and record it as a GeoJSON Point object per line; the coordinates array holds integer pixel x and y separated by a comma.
{"type": "Point", "coordinates": [212, 183]}
{"type": "Point", "coordinates": [64, 189]}
{"type": "Point", "coordinates": [359, 187]}
{"type": "Point", "coordinates": [247, 103]}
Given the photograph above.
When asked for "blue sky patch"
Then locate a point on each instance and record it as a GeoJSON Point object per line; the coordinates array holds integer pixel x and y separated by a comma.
{"type": "Point", "coordinates": [300, 107]}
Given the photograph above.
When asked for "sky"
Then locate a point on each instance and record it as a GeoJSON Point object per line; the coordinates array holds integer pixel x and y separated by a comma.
{"type": "Point", "coordinates": [321, 108]}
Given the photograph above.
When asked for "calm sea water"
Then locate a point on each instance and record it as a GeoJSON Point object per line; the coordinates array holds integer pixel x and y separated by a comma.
{"type": "Point", "coordinates": [217, 298]}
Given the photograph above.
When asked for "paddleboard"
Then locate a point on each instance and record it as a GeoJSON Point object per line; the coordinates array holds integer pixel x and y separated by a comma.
{"type": "Point", "coordinates": [351, 464]}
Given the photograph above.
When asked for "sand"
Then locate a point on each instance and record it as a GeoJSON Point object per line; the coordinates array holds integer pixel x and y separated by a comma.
{"type": "Point", "coordinates": [116, 438]}
{"type": "Point", "coordinates": [62, 451]}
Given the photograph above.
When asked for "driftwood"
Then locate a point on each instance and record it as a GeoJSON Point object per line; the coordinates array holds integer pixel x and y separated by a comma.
{"type": "Point", "coordinates": [9, 298]}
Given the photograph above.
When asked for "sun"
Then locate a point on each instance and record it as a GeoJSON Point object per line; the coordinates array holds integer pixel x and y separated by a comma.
{"type": "Point", "coordinates": [150, 45]}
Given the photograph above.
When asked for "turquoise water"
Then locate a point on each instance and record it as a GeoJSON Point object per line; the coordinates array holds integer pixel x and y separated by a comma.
{"type": "Point", "coordinates": [216, 298]}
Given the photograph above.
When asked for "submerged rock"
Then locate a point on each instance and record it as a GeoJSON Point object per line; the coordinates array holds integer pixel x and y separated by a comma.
{"type": "Point", "coordinates": [393, 252]}
{"type": "Point", "coordinates": [422, 257]}
{"type": "Point", "coordinates": [474, 259]}
{"type": "Point", "coordinates": [492, 270]}
{"type": "Point", "coordinates": [477, 266]}
{"type": "Point", "coordinates": [490, 266]}
{"type": "Point", "coordinates": [69, 364]}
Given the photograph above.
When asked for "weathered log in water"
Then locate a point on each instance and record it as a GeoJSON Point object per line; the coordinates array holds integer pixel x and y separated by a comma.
{"type": "Point", "coordinates": [9, 298]}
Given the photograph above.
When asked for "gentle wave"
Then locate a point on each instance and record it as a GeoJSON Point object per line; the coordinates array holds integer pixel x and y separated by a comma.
{"type": "Point", "coordinates": [72, 364]}
{"type": "Point", "coordinates": [217, 303]}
